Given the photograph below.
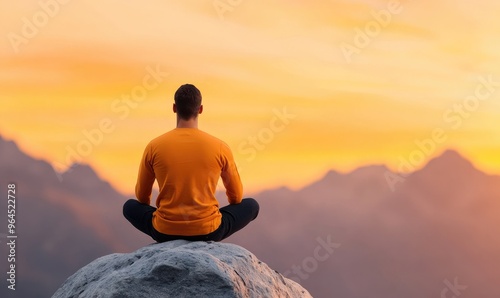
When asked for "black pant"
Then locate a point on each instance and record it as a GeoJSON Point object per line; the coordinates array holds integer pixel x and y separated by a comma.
{"type": "Point", "coordinates": [234, 218]}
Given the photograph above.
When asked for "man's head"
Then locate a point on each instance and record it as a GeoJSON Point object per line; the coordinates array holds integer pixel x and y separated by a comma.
{"type": "Point", "coordinates": [187, 102]}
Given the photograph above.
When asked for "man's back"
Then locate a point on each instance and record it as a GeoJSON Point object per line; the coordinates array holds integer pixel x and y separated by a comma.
{"type": "Point", "coordinates": [187, 164]}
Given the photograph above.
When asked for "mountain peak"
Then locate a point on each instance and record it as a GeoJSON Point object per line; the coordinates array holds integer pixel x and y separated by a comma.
{"type": "Point", "coordinates": [449, 166]}
{"type": "Point", "coordinates": [369, 170]}
{"type": "Point", "coordinates": [82, 172]}
{"type": "Point", "coordinates": [452, 153]}
{"type": "Point", "coordinates": [11, 154]}
{"type": "Point", "coordinates": [450, 160]}
{"type": "Point", "coordinates": [4, 143]}
{"type": "Point", "coordinates": [331, 174]}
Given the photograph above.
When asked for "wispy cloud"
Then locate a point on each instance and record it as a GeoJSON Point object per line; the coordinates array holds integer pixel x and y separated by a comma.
{"type": "Point", "coordinates": [261, 57]}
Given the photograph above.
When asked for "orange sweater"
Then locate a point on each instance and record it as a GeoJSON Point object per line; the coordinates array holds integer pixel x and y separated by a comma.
{"type": "Point", "coordinates": [187, 164]}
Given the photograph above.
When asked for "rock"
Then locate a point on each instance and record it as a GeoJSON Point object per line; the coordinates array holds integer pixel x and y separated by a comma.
{"type": "Point", "coordinates": [180, 269]}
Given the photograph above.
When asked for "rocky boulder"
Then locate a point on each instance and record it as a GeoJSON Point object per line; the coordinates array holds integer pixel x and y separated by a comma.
{"type": "Point", "coordinates": [180, 269]}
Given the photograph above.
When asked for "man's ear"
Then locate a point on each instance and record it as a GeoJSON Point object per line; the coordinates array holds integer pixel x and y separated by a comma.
{"type": "Point", "coordinates": [174, 108]}
{"type": "Point", "coordinates": [200, 110]}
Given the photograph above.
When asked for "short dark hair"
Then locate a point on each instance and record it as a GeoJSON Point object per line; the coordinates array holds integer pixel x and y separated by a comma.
{"type": "Point", "coordinates": [188, 101]}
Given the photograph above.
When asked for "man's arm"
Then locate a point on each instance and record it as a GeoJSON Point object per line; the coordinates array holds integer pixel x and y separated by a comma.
{"type": "Point", "coordinates": [231, 177]}
{"type": "Point", "coordinates": [145, 178]}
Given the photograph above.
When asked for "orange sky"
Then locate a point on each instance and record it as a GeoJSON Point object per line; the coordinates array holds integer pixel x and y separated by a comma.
{"type": "Point", "coordinates": [417, 66]}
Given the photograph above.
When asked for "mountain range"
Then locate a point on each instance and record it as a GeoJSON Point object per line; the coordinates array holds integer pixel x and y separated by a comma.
{"type": "Point", "coordinates": [346, 235]}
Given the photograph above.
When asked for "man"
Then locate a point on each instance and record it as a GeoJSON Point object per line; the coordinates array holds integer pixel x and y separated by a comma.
{"type": "Point", "coordinates": [187, 163]}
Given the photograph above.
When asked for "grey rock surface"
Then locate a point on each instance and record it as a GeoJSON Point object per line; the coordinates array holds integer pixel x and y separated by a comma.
{"type": "Point", "coordinates": [180, 269]}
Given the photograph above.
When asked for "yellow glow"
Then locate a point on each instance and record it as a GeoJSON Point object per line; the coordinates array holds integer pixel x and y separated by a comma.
{"type": "Point", "coordinates": [262, 60]}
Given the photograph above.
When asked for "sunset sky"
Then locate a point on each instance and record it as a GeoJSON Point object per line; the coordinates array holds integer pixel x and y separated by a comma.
{"type": "Point", "coordinates": [294, 87]}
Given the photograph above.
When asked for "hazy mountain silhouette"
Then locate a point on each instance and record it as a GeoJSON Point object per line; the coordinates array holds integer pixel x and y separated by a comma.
{"type": "Point", "coordinates": [439, 224]}
{"type": "Point", "coordinates": [63, 222]}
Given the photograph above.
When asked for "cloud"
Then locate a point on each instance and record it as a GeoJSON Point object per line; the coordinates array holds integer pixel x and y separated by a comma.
{"type": "Point", "coordinates": [262, 56]}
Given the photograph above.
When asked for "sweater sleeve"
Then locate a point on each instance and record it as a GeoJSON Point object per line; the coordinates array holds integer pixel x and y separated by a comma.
{"type": "Point", "coordinates": [230, 176]}
{"type": "Point", "coordinates": [146, 177]}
